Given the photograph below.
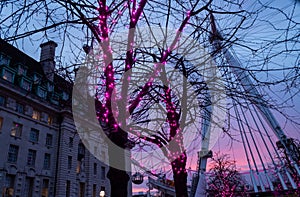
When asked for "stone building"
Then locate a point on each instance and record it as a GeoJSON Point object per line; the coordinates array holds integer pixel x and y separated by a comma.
{"type": "Point", "coordinates": [41, 153]}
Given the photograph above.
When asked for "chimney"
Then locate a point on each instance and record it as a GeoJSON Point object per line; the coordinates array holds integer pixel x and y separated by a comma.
{"type": "Point", "coordinates": [47, 58]}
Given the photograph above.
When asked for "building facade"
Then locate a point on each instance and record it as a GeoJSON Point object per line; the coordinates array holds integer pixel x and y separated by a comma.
{"type": "Point", "coordinates": [41, 153]}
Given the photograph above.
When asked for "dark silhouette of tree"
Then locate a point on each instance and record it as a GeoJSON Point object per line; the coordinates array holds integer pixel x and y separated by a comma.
{"type": "Point", "coordinates": [224, 178]}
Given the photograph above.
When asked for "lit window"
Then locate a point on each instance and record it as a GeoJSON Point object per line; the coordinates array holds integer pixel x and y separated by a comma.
{"type": "Point", "coordinates": [8, 75]}
{"type": "Point", "coordinates": [78, 168]}
{"type": "Point", "coordinates": [19, 108]}
{"type": "Point", "coordinates": [16, 130]}
{"type": "Point", "coordinates": [69, 162]}
{"type": "Point", "coordinates": [49, 139]}
{"type": "Point", "coordinates": [34, 135]}
{"type": "Point", "coordinates": [50, 120]}
{"type": "Point", "coordinates": [9, 183]}
{"type": "Point", "coordinates": [47, 159]}
{"type": "Point", "coordinates": [13, 153]}
{"type": "Point", "coordinates": [45, 188]}
{"type": "Point", "coordinates": [36, 115]}
{"type": "Point", "coordinates": [31, 157]}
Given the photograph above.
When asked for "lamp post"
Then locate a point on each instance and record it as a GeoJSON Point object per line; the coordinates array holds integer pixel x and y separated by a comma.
{"type": "Point", "coordinates": [102, 193]}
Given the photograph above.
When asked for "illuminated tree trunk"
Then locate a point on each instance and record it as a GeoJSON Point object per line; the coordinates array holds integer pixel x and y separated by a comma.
{"type": "Point", "coordinates": [180, 176]}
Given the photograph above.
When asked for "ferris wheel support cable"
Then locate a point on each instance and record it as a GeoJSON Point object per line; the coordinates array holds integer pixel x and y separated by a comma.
{"type": "Point", "coordinates": [258, 152]}
{"type": "Point", "coordinates": [268, 150]}
{"type": "Point", "coordinates": [249, 87]}
{"type": "Point", "coordinates": [264, 110]}
{"type": "Point", "coordinates": [278, 156]}
{"type": "Point", "coordinates": [245, 149]}
{"type": "Point", "coordinates": [250, 150]}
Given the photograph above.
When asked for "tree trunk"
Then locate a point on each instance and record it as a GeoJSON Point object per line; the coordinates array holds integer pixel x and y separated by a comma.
{"type": "Point", "coordinates": [180, 176]}
{"type": "Point", "coordinates": [118, 178]}
{"type": "Point", "coordinates": [118, 182]}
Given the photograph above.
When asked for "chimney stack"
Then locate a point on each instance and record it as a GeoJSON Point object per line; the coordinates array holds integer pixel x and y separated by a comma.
{"type": "Point", "coordinates": [47, 58]}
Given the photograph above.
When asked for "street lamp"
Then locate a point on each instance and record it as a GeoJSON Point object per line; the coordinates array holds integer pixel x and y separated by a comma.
{"type": "Point", "coordinates": [102, 193]}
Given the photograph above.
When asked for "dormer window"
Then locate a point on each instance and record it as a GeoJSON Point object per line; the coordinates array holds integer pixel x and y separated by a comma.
{"type": "Point", "coordinates": [22, 70]}
{"type": "Point", "coordinates": [41, 92]}
{"type": "Point", "coordinates": [25, 83]}
{"type": "Point", "coordinates": [50, 86]}
{"type": "Point", "coordinates": [4, 59]}
{"type": "Point", "coordinates": [37, 78]}
{"type": "Point", "coordinates": [54, 98]}
{"type": "Point", "coordinates": [8, 74]}
{"type": "Point", "coordinates": [65, 96]}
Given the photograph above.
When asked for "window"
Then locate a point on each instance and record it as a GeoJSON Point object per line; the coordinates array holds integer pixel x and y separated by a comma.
{"type": "Point", "coordinates": [50, 86]}
{"type": "Point", "coordinates": [28, 187]}
{"type": "Point", "coordinates": [4, 60]}
{"type": "Point", "coordinates": [8, 75]}
{"type": "Point", "coordinates": [16, 130]}
{"type": "Point", "coordinates": [47, 160]}
{"type": "Point", "coordinates": [78, 168]}
{"type": "Point", "coordinates": [81, 189]}
{"type": "Point", "coordinates": [69, 162]}
{"type": "Point", "coordinates": [65, 96]}
{"type": "Point", "coordinates": [102, 172]}
{"type": "Point", "coordinates": [36, 115]}
{"type": "Point", "coordinates": [36, 78]}
{"type": "Point", "coordinates": [1, 123]}
{"type": "Point", "coordinates": [2, 101]}
{"type": "Point", "coordinates": [70, 142]}
{"type": "Point", "coordinates": [13, 153]}
{"type": "Point", "coordinates": [25, 84]}
{"type": "Point", "coordinates": [68, 188]}
{"type": "Point", "coordinates": [22, 70]}
{"type": "Point", "coordinates": [50, 120]}
{"type": "Point", "coordinates": [81, 152]}
{"type": "Point", "coordinates": [31, 157]}
{"type": "Point", "coordinates": [49, 139]}
{"type": "Point", "coordinates": [95, 168]}
{"type": "Point", "coordinates": [94, 190]}
{"type": "Point", "coordinates": [9, 184]}
{"type": "Point", "coordinates": [19, 108]}
{"type": "Point", "coordinates": [41, 92]}
{"type": "Point", "coordinates": [34, 135]}
{"type": "Point", "coordinates": [45, 188]}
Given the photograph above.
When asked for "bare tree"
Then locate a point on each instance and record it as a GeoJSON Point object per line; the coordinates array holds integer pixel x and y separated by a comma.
{"type": "Point", "coordinates": [224, 179]}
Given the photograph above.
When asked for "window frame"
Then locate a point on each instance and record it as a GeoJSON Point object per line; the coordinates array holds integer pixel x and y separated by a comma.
{"type": "Point", "coordinates": [47, 161]}
{"type": "Point", "coordinates": [16, 130]}
{"type": "Point", "coordinates": [31, 157]}
{"type": "Point", "coordinates": [13, 155]}
{"type": "Point", "coordinates": [32, 137]}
